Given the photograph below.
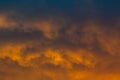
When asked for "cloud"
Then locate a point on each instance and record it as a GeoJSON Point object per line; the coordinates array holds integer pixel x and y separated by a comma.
{"type": "Point", "coordinates": [93, 54]}
{"type": "Point", "coordinates": [59, 40]}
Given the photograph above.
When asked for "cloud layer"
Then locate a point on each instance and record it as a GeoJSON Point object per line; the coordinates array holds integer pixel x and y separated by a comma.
{"type": "Point", "coordinates": [59, 40]}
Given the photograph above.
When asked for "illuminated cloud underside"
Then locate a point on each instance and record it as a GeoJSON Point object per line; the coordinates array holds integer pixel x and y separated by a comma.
{"type": "Point", "coordinates": [58, 47]}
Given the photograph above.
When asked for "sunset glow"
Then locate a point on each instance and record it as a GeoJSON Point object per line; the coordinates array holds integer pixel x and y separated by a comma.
{"type": "Point", "coordinates": [59, 40]}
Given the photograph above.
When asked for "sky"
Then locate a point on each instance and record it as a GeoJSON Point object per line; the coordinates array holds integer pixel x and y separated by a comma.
{"type": "Point", "coordinates": [59, 40]}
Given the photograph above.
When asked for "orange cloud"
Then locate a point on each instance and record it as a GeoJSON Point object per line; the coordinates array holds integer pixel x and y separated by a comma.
{"type": "Point", "coordinates": [78, 53]}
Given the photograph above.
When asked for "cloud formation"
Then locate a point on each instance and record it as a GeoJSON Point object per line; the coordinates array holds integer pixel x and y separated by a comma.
{"type": "Point", "coordinates": [59, 40]}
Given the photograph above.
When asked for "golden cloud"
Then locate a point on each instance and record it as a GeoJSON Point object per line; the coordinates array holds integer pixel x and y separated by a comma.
{"type": "Point", "coordinates": [59, 53]}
